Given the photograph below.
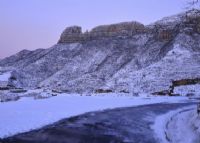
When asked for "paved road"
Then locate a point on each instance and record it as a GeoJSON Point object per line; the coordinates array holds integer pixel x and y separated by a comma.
{"type": "Point", "coordinates": [123, 125]}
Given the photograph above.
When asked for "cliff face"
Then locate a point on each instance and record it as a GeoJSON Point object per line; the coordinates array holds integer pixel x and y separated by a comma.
{"type": "Point", "coordinates": [128, 57]}
{"type": "Point", "coordinates": [74, 34]}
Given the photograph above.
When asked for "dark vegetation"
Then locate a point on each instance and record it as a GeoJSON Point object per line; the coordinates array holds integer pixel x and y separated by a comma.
{"type": "Point", "coordinates": [103, 91]}
{"type": "Point", "coordinates": [176, 83]}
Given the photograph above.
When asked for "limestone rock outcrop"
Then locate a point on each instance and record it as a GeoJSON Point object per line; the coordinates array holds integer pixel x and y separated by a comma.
{"type": "Point", "coordinates": [120, 29]}
{"type": "Point", "coordinates": [74, 34]}
{"type": "Point", "coordinates": [71, 35]}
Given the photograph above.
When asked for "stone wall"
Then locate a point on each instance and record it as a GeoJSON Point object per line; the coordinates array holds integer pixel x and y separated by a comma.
{"type": "Point", "coordinates": [74, 34]}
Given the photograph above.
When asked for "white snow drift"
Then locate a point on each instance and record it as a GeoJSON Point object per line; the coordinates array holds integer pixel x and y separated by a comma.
{"type": "Point", "coordinates": [180, 126]}
{"type": "Point", "coordinates": [5, 77]}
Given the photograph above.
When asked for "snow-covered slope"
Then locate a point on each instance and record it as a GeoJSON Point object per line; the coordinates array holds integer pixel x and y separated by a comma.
{"type": "Point", "coordinates": [133, 58]}
{"type": "Point", "coordinates": [181, 62]}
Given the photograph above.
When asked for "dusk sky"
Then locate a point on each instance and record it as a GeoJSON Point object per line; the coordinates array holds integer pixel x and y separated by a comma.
{"type": "Point", "coordinates": [32, 24]}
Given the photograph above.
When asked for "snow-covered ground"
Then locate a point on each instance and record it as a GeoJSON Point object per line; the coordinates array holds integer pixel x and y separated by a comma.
{"type": "Point", "coordinates": [5, 76]}
{"type": "Point", "coordinates": [188, 90]}
{"type": "Point", "coordinates": [27, 114]}
{"type": "Point", "coordinates": [180, 126]}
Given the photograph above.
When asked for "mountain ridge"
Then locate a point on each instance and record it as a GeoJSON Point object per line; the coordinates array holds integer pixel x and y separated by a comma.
{"type": "Point", "coordinates": [128, 57]}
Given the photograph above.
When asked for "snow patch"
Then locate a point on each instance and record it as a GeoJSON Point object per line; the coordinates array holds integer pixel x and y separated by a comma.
{"type": "Point", "coordinates": [5, 76]}
{"type": "Point", "coordinates": [178, 52]}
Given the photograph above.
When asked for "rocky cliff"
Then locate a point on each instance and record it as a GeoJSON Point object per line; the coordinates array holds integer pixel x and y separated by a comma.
{"type": "Point", "coordinates": [127, 29]}
{"type": "Point", "coordinates": [124, 57]}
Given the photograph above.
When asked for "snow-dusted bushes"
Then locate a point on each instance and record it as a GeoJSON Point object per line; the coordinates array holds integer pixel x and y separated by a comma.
{"type": "Point", "coordinates": [188, 90]}
{"type": "Point", "coordinates": [8, 97]}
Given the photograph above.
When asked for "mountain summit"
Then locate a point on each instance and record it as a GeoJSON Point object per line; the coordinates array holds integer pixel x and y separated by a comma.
{"type": "Point", "coordinates": [123, 57]}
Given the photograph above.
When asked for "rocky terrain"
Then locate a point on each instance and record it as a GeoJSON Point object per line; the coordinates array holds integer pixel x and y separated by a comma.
{"type": "Point", "coordinates": [126, 57]}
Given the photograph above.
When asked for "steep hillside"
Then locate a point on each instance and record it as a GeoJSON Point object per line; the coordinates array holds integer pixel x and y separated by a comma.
{"type": "Point", "coordinates": [23, 58]}
{"type": "Point", "coordinates": [124, 57]}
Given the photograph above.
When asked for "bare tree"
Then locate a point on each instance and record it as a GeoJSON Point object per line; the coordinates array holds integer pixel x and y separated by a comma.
{"type": "Point", "coordinates": [193, 4]}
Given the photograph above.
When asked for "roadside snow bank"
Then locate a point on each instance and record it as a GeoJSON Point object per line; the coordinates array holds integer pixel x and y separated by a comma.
{"type": "Point", "coordinates": [180, 126]}
{"type": "Point", "coordinates": [196, 124]}
{"type": "Point", "coordinates": [27, 114]}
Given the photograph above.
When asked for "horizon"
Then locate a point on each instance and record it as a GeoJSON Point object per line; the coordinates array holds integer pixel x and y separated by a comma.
{"type": "Point", "coordinates": [37, 24]}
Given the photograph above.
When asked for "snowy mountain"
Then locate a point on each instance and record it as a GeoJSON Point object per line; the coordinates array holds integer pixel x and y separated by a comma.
{"type": "Point", "coordinates": [124, 57]}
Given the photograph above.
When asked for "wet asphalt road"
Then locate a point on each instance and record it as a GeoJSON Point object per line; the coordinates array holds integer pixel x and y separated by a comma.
{"type": "Point", "coordinates": [123, 125]}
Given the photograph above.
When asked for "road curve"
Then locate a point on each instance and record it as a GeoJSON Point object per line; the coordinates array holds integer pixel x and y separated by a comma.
{"type": "Point", "coordinates": [122, 125]}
